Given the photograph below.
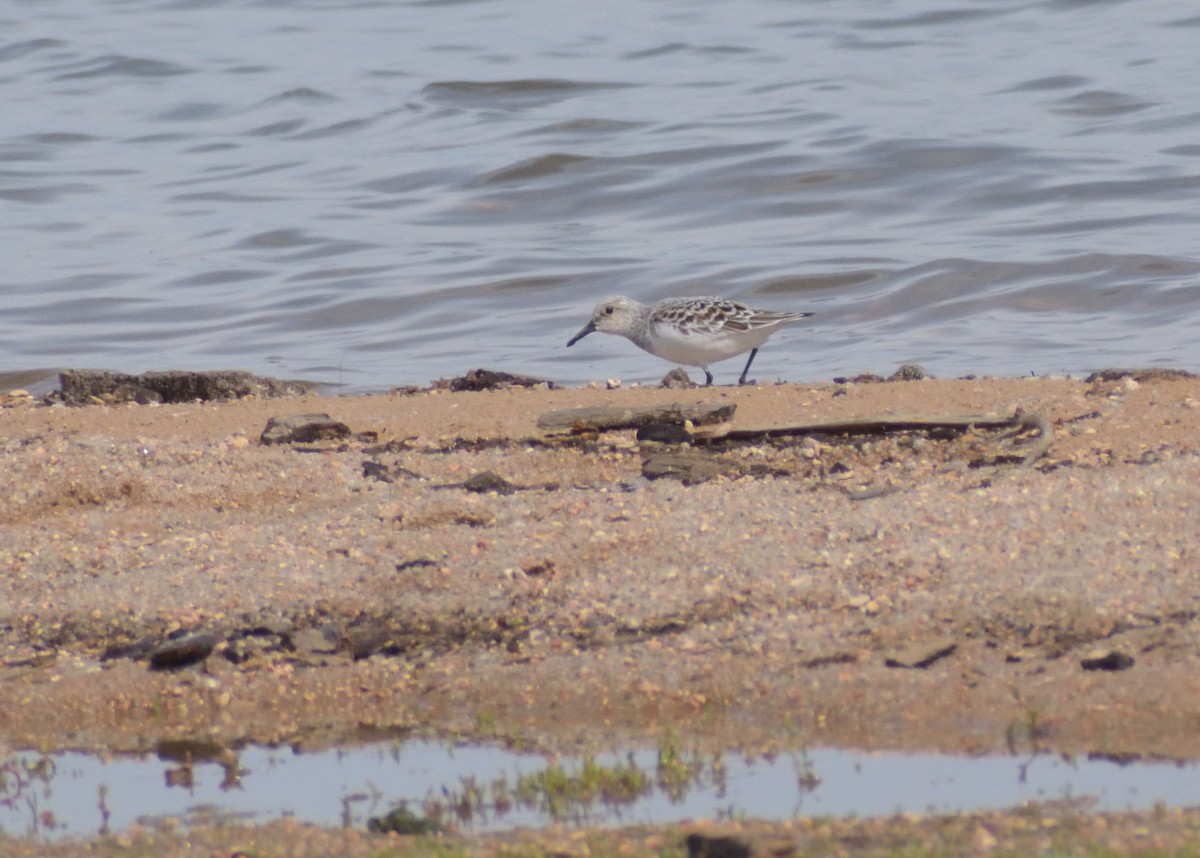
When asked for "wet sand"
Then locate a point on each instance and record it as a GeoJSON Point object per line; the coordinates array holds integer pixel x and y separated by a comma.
{"type": "Point", "coordinates": [911, 590]}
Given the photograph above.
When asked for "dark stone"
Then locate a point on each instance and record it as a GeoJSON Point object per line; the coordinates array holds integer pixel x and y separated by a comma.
{"type": "Point", "coordinates": [79, 386]}
{"type": "Point", "coordinates": [664, 433]}
{"type": "Point", "coordinates": [699, 846]}
{"type": "Point", "coordinates": [401, 820]}
{"type": "Point", "coordinates": [303, 429]}
{"type": "Point", "coordinates": [488, 379]}
{"type": "Point", "coordinates": [677, 379]}
{"type": "Point", "coordinates": [909, 372]}
{"type": "Point", "coordinates": [183, 651]}
{"type": "Point", "coordinates": [376, 470]}
{"type": "Point", "coordinates": [687, 469]}
{"type": "Point", "coordinates": [1109, 661]}
{"type": "Point", "coordinates": [489, 481]}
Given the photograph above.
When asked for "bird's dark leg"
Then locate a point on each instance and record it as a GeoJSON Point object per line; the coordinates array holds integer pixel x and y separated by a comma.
{"type": "Point", "coordinates": [707, 377]}
{"type": "Point", "coordinates": [753, 352]}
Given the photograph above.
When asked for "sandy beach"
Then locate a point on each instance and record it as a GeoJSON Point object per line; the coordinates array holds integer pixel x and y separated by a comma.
{"type": "Point", "coordinates": [908, 589]}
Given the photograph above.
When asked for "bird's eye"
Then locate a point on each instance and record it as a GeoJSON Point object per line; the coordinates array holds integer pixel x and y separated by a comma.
{"type": "Point", "coordinates": [608, 311]}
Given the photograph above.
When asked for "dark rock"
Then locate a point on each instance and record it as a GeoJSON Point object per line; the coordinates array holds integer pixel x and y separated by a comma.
{"type": "Point", "coordinates": [909, 372]}
{"type": "Point", "coordinates": [922, 655]}
{"type": "Point", "coordinates": [401, 820]}
{"type": "Point", "coordinates": [677, 379]}
{"type": "Point", "coordinates": [79, 386]}
{"type": "Point", "coordinates": [699, 846]}
{"type": "Point", "coordinates": [1111, 660]}
{"type": "Point", "coordinates": [183, 651]}
{"type": "Point", "coordinates": [415, 563]}
{"type": "Point", "coordinates": [489, 481]}
{"type": "Point", "coordinates": [664, 433]}
{"type": "Point", "coordinates": [687, 469]}
{"type": "Point", "coordinates": [487, 379]}
{"type": "Point", "coordinates": [376, 470]}
{"type": "Point", "coordinates": [303, 429]}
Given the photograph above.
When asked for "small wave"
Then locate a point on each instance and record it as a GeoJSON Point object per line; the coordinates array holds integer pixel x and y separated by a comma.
{"type": "Point", "coordinates": [20, 49]}
{"type": "Point", "coordinates": [122, 66]}
{"type": "Point", "coordinates": [534, 168]}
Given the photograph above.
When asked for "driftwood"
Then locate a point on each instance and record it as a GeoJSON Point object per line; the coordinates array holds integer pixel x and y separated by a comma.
{"type": "Point", "coordinates": [1017, 424]}
{"type": "Point", "coordinates": [873, 426]}
{"type": "Point", "coordinates": [604, 417]}
{"type": "Point", "coordinates": [713, 424]}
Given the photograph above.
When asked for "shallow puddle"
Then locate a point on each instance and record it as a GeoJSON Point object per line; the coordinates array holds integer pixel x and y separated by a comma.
{"type": "Point", "coordinates": [487, 788]}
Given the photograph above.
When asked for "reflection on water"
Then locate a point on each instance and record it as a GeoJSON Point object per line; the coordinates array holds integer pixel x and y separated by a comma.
{"type": "Point", "coordinates": [489, 788]}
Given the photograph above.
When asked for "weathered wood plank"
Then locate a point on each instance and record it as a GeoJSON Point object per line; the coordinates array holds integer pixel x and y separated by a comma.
{"type": "Point", "coordinates": [631, 417]}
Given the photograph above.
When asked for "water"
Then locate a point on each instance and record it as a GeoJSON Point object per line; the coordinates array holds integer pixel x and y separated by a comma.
{"type": "Point", "coordinates": [346, 787]}
{"type": "Point", "coordinates": [379, 193]}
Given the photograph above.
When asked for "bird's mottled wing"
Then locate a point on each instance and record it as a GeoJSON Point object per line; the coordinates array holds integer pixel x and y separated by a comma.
{"type": "Point", "coordinates": [703, 316]}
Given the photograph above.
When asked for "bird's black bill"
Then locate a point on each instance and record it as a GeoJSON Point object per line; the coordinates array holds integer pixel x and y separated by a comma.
{"type": "Point", "coordinates": [583, 332]}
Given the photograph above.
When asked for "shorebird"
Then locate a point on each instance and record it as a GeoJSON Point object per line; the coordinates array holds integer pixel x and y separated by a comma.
{"type": "Point", "coordinates": [690, 331]}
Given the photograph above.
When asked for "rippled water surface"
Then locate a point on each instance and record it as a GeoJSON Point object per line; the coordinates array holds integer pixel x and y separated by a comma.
{"type": "Point", "coordinates": [377, 193]}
